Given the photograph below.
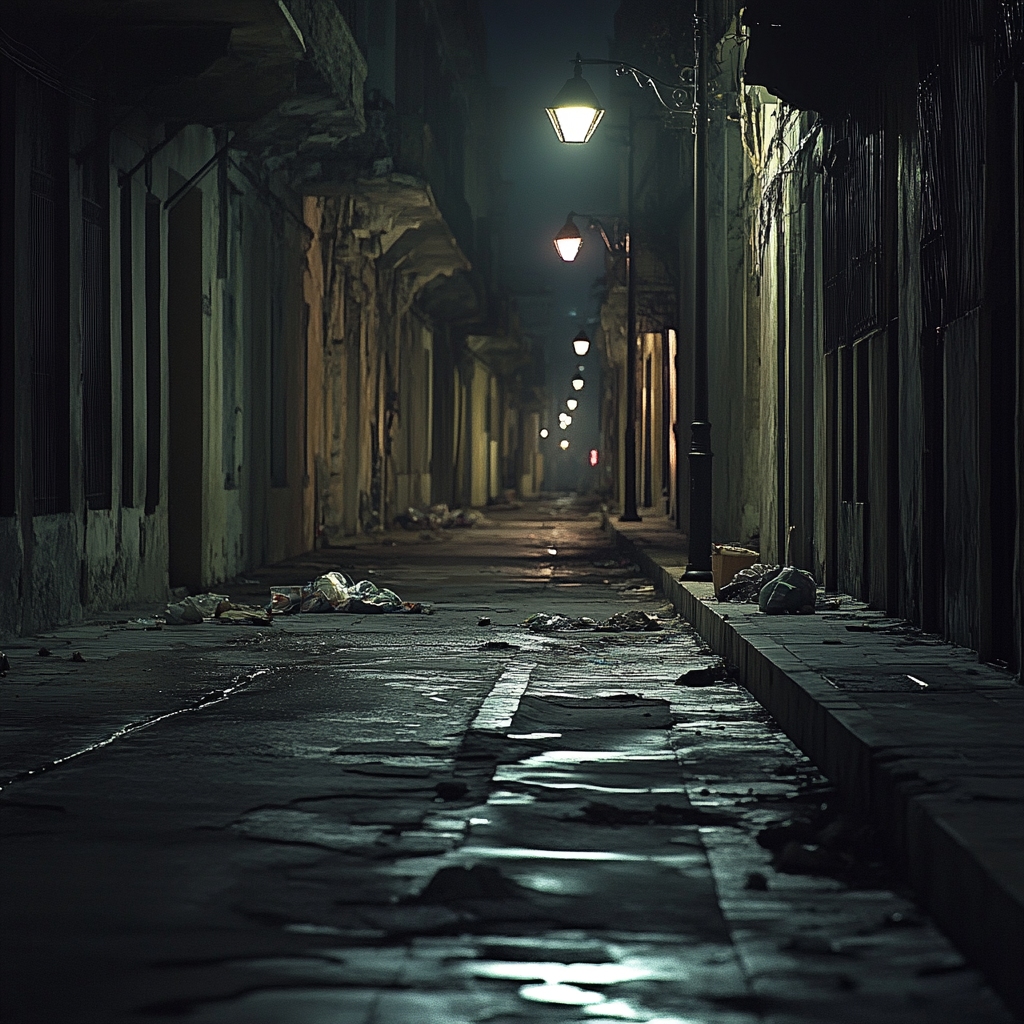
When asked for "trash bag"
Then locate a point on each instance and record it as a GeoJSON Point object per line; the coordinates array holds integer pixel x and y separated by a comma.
{"type": "Point", "coordinates": [327, 593]}
{"type": "Point", "coordinates": [746, 585]}
{"type": "Point", "coordinates": [790, 591]}
{"type": "Point", "coordinates": [193, 609]}
{"type": "Point", "coordinates": [366, 597]}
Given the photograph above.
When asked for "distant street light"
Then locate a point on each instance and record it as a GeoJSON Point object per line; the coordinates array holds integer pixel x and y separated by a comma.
{"type": "Point", "coordinates": [544, 432]}
{"type": "Point", "coordinates": [570, 404]}
{"type": "Point", "coordinates": [563, 445]}
{"type": "Point", "coordinates": [581, 343]}
{"type": "Point", "coordinates": [577, 383]}
{"type": "Point", "coordinates": [568, 241]}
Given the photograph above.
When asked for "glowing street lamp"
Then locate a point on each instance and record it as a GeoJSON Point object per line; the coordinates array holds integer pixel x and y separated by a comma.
{"type": "Point", "coordinates": [570, 404]}
{"type": "Point", "coordinates": [581, 343]}
{"type": "Point", "coordinates": [544, 432]}
{"type": "Point", "coordinates": [576, 111]}
{"type": "Point", "coordinates": [568, 242]}
{"type": "Point", "coordinates": [577, 383]}
{"type": "Point", "coordinates": [563, 445]}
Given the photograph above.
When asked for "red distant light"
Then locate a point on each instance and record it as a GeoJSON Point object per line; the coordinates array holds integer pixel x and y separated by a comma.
{"type": "Point", "coordinates": [593, 456]}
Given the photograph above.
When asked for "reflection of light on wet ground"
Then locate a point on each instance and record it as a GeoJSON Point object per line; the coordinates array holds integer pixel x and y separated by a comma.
{"type": "Point", "coordinates": [561, 974]}
{"type": "Point", "coordinates": [563, 995]}
{"type": "Point", "coordinates": [552, 551]}
{"type": "Point", "coordinates": [534, 735]}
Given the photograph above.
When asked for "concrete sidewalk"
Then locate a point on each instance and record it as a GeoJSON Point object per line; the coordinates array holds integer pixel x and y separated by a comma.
{"type": "Point", "coordinates": [914, 731]}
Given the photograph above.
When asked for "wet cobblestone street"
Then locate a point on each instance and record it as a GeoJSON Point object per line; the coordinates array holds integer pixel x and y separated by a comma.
{"type": "Point", "coordinates": [438, 819]}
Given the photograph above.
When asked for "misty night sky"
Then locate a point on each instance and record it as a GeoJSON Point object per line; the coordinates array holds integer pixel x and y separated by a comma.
{"type": "Point", "coordinates": [530, 47]}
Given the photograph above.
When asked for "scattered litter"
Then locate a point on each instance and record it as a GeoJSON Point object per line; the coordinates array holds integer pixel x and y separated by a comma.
{"type": "Point", "coordinates": [483, 621]}
{"type": "Point", "coordinates": [757, 881]}
{"type": "Point", "coordinates": [498, 645]}
{"type": "Point", "coordinates": [5, 665]}
{"type": "Point", "coordinates": [633, 621]}
{"type": "Point", "coordinates": [338, 592]}
{"type": "Point", "coordinates": [438, 517]}
{"type": "Point", "coordinates": [44, 652]}
{"type": "Point", "coordinates": [746, 584]}
{"type": "Point", "coordinates": [193, 609]}
{"type": "Point", "coordinates": [77, 656]}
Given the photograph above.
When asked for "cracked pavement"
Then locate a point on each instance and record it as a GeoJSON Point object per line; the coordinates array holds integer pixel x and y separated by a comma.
{"type": "Point", "coordinates": [388, 819]}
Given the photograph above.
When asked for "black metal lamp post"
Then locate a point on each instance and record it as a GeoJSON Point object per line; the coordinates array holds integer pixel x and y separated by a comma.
{"type": "Point", "coordinates": [574, 115]}
{"type": "Point", "coordinates": [699, 544]}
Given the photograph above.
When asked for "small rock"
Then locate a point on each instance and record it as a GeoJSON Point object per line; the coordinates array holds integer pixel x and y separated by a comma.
{"type": "Point", "coordinates": [756, 880]}
{"type": "Point", "coordinates": [77, 656]}
{"type": "Point", "coordinates": [44, 652]}
{"type": "Point", "coordinates": [483, 621]}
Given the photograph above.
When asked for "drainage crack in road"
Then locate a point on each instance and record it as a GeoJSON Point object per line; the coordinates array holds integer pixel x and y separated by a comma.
{"type": "Point", "coordinates": [206, 700]}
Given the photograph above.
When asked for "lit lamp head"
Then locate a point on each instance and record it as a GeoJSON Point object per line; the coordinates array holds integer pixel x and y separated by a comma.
{"type": "Point", "coordinates": [570, 404]}
{"type": "Point", "coordinates": [576, 111]}
{"type": "Point", "coordinates": [544, 432]}
{"type": "Point", "coordinates": [563, 445]}
{"type": "Point", "coordinates": [577, 383]}
{"type": "Point", "coordinates": [581, 344]}
{"type": "Point", "coordinates": [568, 240]}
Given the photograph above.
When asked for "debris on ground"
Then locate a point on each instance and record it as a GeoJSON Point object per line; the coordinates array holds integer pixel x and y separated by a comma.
{"type": "Point", "coordinates": [438, 517]}
{"type": "Point", "coordinates": [707, 675]}
{"type": "Point", "coordinates": [827, 842]}
{"type": "Point", "coordinates": [745, 586]}
{"type": "Point", "coordinates": [338, 592]}
{"type": "Point", "coordinates": [633, 621]}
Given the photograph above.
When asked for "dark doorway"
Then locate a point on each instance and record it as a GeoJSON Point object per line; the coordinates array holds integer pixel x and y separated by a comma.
{"type": "Point", "coordinates": [185, 377]}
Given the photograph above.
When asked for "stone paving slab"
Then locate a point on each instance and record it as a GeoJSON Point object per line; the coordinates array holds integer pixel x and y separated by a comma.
{"type": "Point", "coordinates": [915, 731]}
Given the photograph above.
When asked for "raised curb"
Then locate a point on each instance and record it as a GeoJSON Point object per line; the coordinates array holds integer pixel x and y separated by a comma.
{"type": "Point", "coordinates": [907, 768]}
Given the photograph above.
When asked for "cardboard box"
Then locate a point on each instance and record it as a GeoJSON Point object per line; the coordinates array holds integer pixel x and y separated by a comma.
{"type": "Point", "coordinates": [726, 562]}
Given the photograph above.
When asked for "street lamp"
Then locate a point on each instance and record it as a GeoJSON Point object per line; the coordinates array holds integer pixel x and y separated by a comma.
{"type": "Point", "coordinates": [689, 95]}
{"type": "Point", "coordinates": [563, 445]}
{"type": "Point", "coordinates": [576, 111]}
{"type": "Point", "coordinates": [577, 383]}
{"type": "Point", "coordinates": [570, 404]}
{"type": "Point", "coordinates": [568, 240]}
{"type": "Point", "coordinates": [581, 343]}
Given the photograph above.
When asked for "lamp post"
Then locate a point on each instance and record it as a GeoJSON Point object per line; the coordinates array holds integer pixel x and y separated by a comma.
{"type": "Point", "coordinates": [574, 115]}
{"type": "Point", "coordinates": [686, 96]}
{"type": "Point", "coordinates": [568, 243]}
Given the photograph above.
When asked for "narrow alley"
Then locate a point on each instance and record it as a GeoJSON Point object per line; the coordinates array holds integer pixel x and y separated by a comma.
{"type": "Point", "coordinates": [448, 817]}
